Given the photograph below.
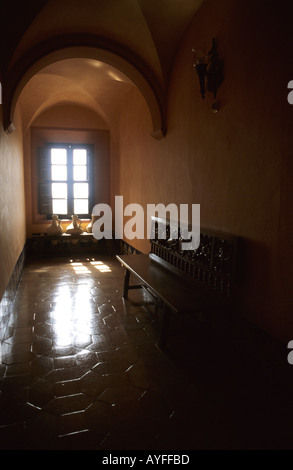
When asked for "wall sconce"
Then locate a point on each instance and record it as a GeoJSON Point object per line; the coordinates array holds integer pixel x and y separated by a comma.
{"type": "Point", "coordinates": [210, 72]}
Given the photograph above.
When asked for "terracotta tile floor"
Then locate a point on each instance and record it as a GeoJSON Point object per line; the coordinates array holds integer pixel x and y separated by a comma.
{"type": "Point", "coordinates": [82, 370]}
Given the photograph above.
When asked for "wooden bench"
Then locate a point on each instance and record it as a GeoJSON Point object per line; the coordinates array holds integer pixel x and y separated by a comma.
{"type": "Point", "coordinates": [184, 281]}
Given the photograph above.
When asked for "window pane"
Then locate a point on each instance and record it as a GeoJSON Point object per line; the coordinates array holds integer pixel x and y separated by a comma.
{"type": "Point", "coordinates": [80, 173]}
{"type": "Point", "coordinates": [59, 172]}
{"type": "Point", "coordinates": [70, 184]}
{"type": "Point", "coordinates": [81, 206]}
{"type": "Point", "coordinates": [81, 190]}
{"type": "Point", "coordinates": [79, 157]}
{"type": "Point", "coordinates": [58, 156]}
{"type": "Point", "coordinates": [59, 190]}
{"type": "Point", "coordinates": [59, 206]}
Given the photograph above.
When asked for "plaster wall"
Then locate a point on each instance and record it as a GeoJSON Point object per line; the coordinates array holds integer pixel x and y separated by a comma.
{"type": "Point", "coordinates": [237, 164]}
{"type": "Point", "coordinates": [12, 200]}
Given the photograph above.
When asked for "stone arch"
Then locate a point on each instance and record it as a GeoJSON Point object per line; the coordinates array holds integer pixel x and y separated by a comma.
{"type": "Point", "coordinates": [85, 47]}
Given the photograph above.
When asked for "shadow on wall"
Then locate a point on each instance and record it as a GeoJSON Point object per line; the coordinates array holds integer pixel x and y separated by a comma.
{"type": "Point", "coordinates": [252, 271]}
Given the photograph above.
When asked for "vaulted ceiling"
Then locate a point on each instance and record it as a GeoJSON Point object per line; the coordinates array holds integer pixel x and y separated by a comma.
{"type": "Point", "coordinates": [90, 53]}
{"type": "Point", "coordinates": [88, 83]}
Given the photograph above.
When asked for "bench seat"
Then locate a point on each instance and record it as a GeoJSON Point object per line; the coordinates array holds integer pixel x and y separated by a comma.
{"type": "Point", "coordinates": [173, 291]}
{"type": "Point", "coordinates": [183, 281]}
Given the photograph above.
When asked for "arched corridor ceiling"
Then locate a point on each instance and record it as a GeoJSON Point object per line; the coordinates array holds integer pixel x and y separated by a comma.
{"type": "Point", "coordinates": [84, 82]}
{"type": "Point", "coordinates": [136, 40]}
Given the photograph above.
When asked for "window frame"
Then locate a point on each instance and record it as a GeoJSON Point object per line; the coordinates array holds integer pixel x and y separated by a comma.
{"type": "Point", "coordinates": [45, 199]}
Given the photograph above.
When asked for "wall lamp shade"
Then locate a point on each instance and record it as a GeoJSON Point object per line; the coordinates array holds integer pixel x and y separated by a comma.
{"type": "Point", "coordinates": [210, 70]}
{"type": "Point", "coordinates": [201, 69]}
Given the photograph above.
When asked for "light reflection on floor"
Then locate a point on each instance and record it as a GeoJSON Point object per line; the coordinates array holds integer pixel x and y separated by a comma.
{"type": "Point", "coordinates": [72, 310]}
{"type": "Point", "coordinates": [71, 316]}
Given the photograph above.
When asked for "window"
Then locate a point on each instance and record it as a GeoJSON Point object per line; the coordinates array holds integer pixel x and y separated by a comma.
{"type": "Point", "coordinates": [66, 180]}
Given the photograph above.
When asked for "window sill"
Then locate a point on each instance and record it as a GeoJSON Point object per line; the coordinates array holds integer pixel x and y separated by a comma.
{"type": "Point", "coordinates": [63, 235]}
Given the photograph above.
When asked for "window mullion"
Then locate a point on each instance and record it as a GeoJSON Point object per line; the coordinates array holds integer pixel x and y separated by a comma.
{"type": "Point", "coordinates": [70, 181]}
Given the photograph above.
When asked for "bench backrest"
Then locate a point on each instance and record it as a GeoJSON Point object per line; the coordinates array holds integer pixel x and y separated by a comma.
{"type": "Point", "coordinates": [212, 263]}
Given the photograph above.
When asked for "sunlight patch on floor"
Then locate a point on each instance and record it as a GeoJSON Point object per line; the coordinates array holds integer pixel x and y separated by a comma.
{"type": "Point", "coordinates": [81, 268]}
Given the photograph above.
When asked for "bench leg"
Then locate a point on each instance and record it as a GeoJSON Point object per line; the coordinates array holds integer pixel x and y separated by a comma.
{"type": "Point", "coordinates": [126, 284]}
